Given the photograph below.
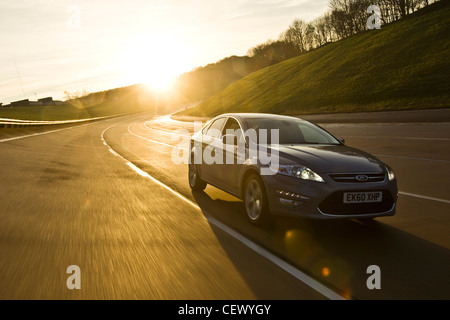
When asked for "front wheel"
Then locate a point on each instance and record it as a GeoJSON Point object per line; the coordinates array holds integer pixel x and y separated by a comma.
{"type": "Point", "coordinates": [256, 203]}
{"type": "Point", "coordinates": [195, 182]}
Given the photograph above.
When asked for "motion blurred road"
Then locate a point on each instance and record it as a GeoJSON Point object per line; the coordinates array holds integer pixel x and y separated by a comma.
{"type": "Point", "coordinates": [107, 197]}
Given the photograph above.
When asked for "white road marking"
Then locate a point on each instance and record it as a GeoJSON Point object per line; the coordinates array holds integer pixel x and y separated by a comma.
{"type": "Point", "coordinates": [167, 132]}
{"type": "Point", "coordinates": [296, 273]}
{"type": "Point", "coordinates": [154, 141]}
{"type": "Point", "coordinates": [423, 197]}
{"type": "Point", "coordinates": [168, 119]}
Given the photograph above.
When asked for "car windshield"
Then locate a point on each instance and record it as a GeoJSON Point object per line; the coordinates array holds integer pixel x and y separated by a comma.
{"type": "Point", "coordinates": [290, 131]}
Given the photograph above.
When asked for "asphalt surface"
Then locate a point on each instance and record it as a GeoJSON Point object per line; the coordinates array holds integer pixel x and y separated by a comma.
{"type": "Point", "coordinates": [108, 198]}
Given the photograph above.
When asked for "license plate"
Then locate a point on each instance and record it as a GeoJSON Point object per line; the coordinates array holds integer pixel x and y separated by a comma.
{"type": "Point", "coordinates": [363, 197]}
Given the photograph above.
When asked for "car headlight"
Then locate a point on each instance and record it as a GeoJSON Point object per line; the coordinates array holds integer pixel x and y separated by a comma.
{"type": "Point", "coordinates": [390, 173]}
{"type": "Point", "coordinates": [300, 172]}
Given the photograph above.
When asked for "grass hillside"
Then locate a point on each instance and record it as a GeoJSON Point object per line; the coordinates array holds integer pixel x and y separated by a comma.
{"type": "Point", "coordinates": [405, 65]}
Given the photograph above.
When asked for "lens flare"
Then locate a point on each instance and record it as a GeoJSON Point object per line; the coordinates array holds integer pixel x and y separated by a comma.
{"type": "Point", "coordinates": [153, 60]}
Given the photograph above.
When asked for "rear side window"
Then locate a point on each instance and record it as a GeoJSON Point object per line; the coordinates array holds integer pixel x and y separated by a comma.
{"type": "Point", "coordinates": [233, 127]}
{"type": "Point", "coordinates": [206, 127]}
{"type": "Point", "coordinates": [214, 129]}
{"type": "Point", "coordinates": [232, 124]}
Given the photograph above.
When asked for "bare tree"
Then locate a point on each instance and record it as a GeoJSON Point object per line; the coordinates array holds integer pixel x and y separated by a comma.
{"type": "Point", "coordinates": [272, 52]}
{"type": "Point", "coordinates": [343, 19]}
{"type": "Point", "coordinates": [320, 31]}
{"type": "Point", "coordinates": [310, 37]}
{"type": "Point", "coordinates": [75, 94]}
{"type": "Point", "coordinates": [296, 34]}
{"type": "Point", "coordinates": [358, 13]}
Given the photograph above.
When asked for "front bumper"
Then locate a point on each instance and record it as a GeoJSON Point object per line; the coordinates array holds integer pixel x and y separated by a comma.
{"type": "Point", "coordinates": [296, 197]}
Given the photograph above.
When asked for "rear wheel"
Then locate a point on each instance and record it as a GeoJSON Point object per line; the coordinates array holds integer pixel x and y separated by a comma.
{"type": "Point", "coordinates": [195, 182]}
{"type": "Point", "coordinates": [255, 200]}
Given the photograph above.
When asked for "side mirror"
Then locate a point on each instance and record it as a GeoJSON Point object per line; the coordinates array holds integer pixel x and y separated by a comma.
{"type": "Point", "coordinates": [229, 139]}
{"type": "Point", "coordinates": [341, 140]}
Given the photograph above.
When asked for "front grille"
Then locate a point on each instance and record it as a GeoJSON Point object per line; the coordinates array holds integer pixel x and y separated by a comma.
{"type": "Point", "coordinates": [352, 177]}
{"type": "Point", "coordinates": [334, 205]}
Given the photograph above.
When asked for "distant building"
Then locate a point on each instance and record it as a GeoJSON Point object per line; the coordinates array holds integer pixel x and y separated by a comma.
{"type": "Point", "coordinates": [20, 103]}
{"type": "Point", "coordinates": [46, 101]}
{"type": "Point", "coordinates": [40, 102]}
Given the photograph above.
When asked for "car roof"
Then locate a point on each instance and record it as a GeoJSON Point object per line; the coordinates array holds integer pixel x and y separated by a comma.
{"type": "Point", "coordinates": [243, 116]}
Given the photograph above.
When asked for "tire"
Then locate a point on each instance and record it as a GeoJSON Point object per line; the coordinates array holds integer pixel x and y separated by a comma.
{"type": "Point", "coordinates": [195, 182]}
{"type": "Point", "coordinates": [255, 201]}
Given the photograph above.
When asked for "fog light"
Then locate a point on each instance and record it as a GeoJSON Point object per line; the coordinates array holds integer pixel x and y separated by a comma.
{"type": "Point", "coordinates": [290, 203]}
{"type": "Point", "coordinates": [286, 202]}
{"type": "Point", "coordinates": [291, 199]}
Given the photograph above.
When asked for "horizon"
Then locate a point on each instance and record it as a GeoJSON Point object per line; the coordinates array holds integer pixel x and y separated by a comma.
{"type": "Point", "coordinates": [56, 46]}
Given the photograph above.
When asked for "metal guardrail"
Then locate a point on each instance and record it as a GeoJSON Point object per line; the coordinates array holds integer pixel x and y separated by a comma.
{"type": "Point", "coordinates": [16, 123]}
{"type": "Point", "coordinates": [19, 125]}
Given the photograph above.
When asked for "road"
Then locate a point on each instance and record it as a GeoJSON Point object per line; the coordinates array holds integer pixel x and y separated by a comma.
{"type": "Point", "coordinates": [107, 197]}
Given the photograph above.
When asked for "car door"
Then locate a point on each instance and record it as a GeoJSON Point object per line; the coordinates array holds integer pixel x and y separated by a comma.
{"type": "Point", "coordinates": [233, 155]}
{"type": "Point", "coordinates": [211, 143]}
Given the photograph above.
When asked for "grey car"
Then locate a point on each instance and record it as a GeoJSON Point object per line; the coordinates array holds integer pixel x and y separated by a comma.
{"type": "Point", "coordinates": [306, 171]}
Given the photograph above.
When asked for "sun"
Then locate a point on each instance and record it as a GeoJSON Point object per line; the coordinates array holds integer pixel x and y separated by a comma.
{"type": "Point", "coordinates": [154, 60]}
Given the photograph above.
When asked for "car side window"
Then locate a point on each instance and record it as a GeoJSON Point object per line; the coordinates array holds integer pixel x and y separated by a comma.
{"type": "Point", "coordinates": [233, 127]}
{"type": "Point", "coordinates": [214, 129]}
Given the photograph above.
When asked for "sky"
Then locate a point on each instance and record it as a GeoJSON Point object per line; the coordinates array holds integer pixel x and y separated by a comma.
{"type": "Point", "coordinates": [51, 46]}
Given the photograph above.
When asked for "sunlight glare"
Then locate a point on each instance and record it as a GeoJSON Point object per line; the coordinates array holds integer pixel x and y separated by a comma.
{"type": "Point", "coordinates": [154, 60]}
